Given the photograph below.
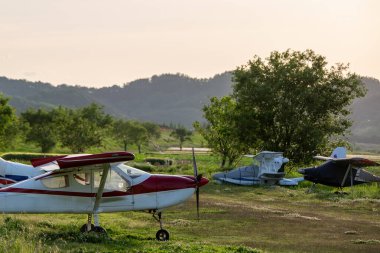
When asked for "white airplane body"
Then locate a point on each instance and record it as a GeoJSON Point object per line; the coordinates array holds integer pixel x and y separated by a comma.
{"type": "Point", "coordinates": [91, 184]}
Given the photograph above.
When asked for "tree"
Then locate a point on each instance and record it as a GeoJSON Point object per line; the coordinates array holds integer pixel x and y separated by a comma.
{"type": "Point", "coordinates": [220, 132]}
{"type": "Point", "coordinates": [84, 128]}
{"type": "Point", "coordinates": [153, 132]}
{"type": "Point", "coordinates": [182, 134]}
{"type": "Point", "coordinates": [121, 130]}
{"type": "Point", "coordinates": [8, 123]}
{"type": "Point", "coordinates": [130, 132]}
{"type": "Point", "coordinates": [139, 135]}
{"type": "Point", "coordinates": [40, 128]}
{"type": "Point", "coordinates": [294, 102]}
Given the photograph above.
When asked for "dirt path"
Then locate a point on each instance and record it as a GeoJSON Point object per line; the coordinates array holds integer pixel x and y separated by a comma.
{"type": "Point", "coordinates": [277, 224]}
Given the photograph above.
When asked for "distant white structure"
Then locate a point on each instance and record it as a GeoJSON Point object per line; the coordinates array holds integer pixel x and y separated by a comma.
{"type": "Point", "coordinates": [267, 169]}
{"type": "Point", "coordinates": [197, 150]}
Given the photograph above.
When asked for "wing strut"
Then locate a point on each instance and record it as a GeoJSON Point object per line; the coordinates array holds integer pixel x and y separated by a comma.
{"type": "Point", "coordinates": [101, 187]}
{"type": "Point", "coordinates": [349, 168]}
{"type": "Point", "coordinates": [352, 178]}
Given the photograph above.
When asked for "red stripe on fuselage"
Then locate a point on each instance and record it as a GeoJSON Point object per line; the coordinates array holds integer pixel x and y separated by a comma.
{"type": "Point", "coordinates": [6, 181]}
{"type": "Point", "coordinates": [155, 183]}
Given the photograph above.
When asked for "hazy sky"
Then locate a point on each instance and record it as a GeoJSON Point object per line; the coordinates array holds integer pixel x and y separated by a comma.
{"type": "Point", "coordinates": [101, 43]}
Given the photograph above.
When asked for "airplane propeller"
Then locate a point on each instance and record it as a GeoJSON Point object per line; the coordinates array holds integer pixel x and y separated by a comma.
{"type": "Point", "coordinates": [197, 179]}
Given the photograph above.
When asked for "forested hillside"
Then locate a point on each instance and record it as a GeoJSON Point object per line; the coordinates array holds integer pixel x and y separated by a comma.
{"type": "Point", "coordinates": [171, 98]}
{"type": "Point", "coordinates": [366, 116]}
{"type": "Point", "coordinates": [164, 99]}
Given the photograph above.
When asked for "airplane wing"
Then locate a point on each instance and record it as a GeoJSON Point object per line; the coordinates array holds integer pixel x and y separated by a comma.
{"type": "Point", "coordinates": [323, 158]}
{"type": "Point", "coordinates": [356, 161]}
{"type": "Point", "coordinates": [72, 161]}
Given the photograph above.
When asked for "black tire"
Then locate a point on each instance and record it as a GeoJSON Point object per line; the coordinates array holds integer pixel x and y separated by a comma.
{"type": "Point", "coordinates": [162, 235]}
{"type": "Point", "coordinates": [83, 229]}
{"type": "Point", "coordinates": [99, 230]}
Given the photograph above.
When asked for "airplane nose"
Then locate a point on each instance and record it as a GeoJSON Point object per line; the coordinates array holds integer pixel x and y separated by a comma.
{"type": "Point", "coordinates": [203, 182]}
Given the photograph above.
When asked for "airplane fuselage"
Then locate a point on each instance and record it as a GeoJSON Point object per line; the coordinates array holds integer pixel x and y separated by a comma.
{"type": "Point", "coordinates": [336, 175]}
{"type": "Point", "coordinates": [126, 189]}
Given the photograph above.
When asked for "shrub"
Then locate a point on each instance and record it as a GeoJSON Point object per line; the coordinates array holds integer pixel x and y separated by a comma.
{"type": "Point", "coordinates": [159, 161]}
{"type": "Point", "coordinates": [142, 166]}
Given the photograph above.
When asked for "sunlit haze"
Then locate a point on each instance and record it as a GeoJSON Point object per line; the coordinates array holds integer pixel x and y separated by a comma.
{"type": "Point", "coordinates": [102, 43]}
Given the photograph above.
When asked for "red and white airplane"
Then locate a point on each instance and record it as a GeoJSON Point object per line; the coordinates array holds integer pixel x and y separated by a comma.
{"type": "Point", "coordinates": [92, 184]}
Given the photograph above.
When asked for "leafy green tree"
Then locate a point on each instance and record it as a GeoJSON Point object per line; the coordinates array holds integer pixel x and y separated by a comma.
{"type": "Point", "coordinates": [139, 135]}
{"type": "Point", "coordinates": [95, 113]}
{"type": "Point", "coordinates": [130, 132]}
{"type": "Point", "coordinates": [182, 134]}
{"type": "Point", "coordinates": [8, 123]}
{"type": "Point", "coordinates": [84, 127]}
{"type": "Point", "coordinates": [220, 132]}
{"type": "Point", "coordinates": [153, 132]}
{"type": "Point", "coordinates": [40, 128]}
{"type": "Point", "coordinates": [121, 131]}
{"type": "Point", "coordinates": [294, 102]}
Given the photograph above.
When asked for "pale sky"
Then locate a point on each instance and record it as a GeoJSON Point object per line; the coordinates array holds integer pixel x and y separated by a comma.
{"type": "Point", "coordinates": [102, 43]}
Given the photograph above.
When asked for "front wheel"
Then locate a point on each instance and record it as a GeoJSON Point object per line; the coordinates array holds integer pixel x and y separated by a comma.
{"type": "Point", "coordinates": [83, 229]}
{"type": "Point", "coordinates": [99, 230]}
{"type": "Point", "coordinates": [162, 235]}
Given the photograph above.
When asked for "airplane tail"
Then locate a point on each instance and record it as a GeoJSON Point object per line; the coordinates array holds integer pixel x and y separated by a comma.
{"type": "Point", "coordinates": [339, 152]}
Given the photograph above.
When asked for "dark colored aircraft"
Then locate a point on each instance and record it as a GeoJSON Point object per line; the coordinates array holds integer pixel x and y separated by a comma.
{"type": "Point", "coordinates": [340, 171]}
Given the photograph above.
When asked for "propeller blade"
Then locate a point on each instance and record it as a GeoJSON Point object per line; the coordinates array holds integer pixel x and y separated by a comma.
{"type": "Point", "coordinates": [195, 165]}
{"type": "Point", "coordinates": [197, 197]}
{"type": "Point", "coordinates": [197, 179]}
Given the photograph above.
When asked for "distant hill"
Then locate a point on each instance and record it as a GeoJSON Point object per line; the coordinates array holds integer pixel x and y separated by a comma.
{"type": "Point", "coordinates": [163, 99]}
{"type": "Point", "coordinates": [172, 98]}
{"type": "Point", "coordinates": [366, 117]}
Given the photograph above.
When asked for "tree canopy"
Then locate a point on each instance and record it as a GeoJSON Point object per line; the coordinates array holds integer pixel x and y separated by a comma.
{"type": "Point", "coordinates": [8, 124]}
{"type": "Point", "coordinates": [220, 132]}
{"type": "Point", "coordinates": [40, 128]}
{"type": "Point", "coordinates": [84, 128]}
{"type": "Point", "coordinates": [294, 102]}
{"type": "Point", "coordinates": [181, 134]}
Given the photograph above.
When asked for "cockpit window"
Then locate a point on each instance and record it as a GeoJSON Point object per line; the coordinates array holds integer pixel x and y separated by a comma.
{"type": "Point", "coordinates": [56, 182]}
{"type": "Point", "coordinates": [83, 178]}
{"type": "Point", "coordinates": [130, 171]}
{"type": "Point", "coordinates": [114, 181]}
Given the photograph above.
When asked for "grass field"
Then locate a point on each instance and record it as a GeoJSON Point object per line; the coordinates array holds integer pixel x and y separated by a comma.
{"type": "Point", "coordinates": [233, 219]}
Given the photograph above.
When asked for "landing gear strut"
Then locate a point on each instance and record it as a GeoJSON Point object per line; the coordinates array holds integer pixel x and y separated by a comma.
{"type": "Point", "coordinates": [162, 234]}
{"type": "Point", "coordinates": [311, 188]}
{"type": "Point", "coordinates": [88, 227]}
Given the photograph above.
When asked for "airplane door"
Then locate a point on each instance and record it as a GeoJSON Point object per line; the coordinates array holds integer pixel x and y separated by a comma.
{"type": "Point", "coordinates": [117, 194]}
{"type": "Point", "coordinates": [81, 183]}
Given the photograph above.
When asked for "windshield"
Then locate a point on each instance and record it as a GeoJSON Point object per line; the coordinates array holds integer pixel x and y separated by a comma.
{"type": "Point", "coordinates": [130, 171]}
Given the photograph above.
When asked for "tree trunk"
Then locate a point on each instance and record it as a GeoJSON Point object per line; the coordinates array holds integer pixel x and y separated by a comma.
{"type": "Point", "coordinates": [139, 146]}
{"type": "Point", "coordinates": [125, 146]}
{"type": "Point", "coordinates": [224, 158]}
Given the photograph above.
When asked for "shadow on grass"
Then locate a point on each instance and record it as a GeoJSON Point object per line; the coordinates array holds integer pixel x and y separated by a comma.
{"type": "Point", "coordinates": [74, 236]}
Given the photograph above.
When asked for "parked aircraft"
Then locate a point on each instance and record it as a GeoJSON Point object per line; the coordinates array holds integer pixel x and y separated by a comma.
{"type": "Point", "coordinates": [92, 184]}
{"type": "Point", "coordinates": [267, 169]}
{"type": "Point", "coordinates": [340, 171]}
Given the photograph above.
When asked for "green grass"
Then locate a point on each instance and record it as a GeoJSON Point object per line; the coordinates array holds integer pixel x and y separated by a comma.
{"type": "Point", "coordinates": [36, 233]}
